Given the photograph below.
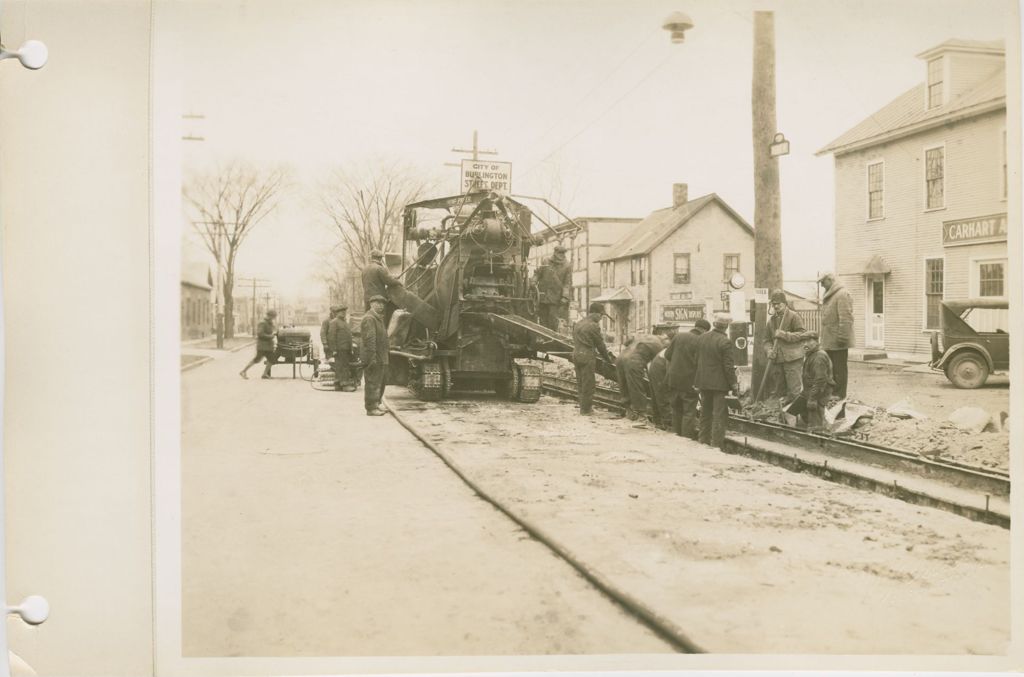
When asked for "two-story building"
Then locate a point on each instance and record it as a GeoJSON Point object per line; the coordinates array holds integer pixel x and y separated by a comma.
{"type": "Point", "coordinates": [586, 240]}
{"type": "Point", "coordinates": [921, 190]}
{"type": "Point", "coordinates": [675, 265]}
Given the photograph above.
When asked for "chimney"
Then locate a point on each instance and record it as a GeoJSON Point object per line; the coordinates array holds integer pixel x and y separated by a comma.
{"type": "Point", "coordinates": [679, 194]}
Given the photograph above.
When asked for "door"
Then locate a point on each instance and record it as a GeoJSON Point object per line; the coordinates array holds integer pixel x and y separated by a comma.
{"type": "Point", "coordinates": [874, 337]}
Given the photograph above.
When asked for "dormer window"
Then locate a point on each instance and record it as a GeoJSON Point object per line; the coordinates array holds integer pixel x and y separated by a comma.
{"type": "Point", "coordinates": [935, 83]}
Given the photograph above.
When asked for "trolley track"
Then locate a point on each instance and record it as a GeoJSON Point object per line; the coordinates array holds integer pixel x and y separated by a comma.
{"type": "Point", "coordinates": [644, 516]}
{"type": "Point", "coordinates": [980, 494]}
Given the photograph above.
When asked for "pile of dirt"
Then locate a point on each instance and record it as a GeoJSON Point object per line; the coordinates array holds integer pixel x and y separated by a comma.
{"type": "Point", "coordinates": [936, 439]}
{"type": "Point", "coordinates": [565, 369]}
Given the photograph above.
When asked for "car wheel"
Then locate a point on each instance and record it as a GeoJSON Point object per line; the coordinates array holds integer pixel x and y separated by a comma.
{"type": "Point", "coordinates": [967, 370]}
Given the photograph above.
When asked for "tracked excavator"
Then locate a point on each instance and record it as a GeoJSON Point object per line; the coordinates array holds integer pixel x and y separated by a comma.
{"type": "Point", "coordinates": [463, 320]}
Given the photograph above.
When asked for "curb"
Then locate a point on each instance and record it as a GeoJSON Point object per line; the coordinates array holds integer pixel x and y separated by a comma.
{"type": "Point", "coordinates": [197, 363]}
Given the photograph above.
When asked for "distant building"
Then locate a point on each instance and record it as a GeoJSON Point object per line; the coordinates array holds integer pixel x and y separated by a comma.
{"type": "Point", "coordinates": [675, 265]}
{"type": "Point", "coordinates": [196, 301]}
{"type": "Point", "coordinates": [584, 248]}
{"type": "Point", "coordinates": [921, 191]}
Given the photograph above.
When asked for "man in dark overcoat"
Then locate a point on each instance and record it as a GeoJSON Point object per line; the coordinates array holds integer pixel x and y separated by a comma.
{"type": "Point", "coordinates": [377, 281]}
{"type": "Point", "coordinates": [682, 369]}
{"type": "Point", "coordinates": [323, 333]}
{"type": "Point", "coordinates": [657, 374]}
{"type": "Point", "coordinates": [716, 377]}
{"type": "Point", "coordinates": [266, 335]}
{"type": "Point", "coordinates": [374, 354]}
{"type": "Point", "coordinates": [339, 338]}
{"type": "Point", "coordinates": [587, 344]}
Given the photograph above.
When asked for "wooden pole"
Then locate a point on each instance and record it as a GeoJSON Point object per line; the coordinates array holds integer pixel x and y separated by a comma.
{"type": "Point", "coordinates": [767, 213]}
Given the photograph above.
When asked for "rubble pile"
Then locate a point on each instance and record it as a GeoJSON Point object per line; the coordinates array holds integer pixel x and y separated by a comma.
{"type": "Point", "coordinates": [565, 369]}
{"type": "Point", "coordinates": [936, 439]}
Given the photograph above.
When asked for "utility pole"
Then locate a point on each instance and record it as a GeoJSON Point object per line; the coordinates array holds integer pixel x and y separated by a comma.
{"type": "Point", "coordinates": [475, 152]}
{"type": "Point", "coordinates": [257, 283]}
{"type": "Point", "coordinates": [767, 212]}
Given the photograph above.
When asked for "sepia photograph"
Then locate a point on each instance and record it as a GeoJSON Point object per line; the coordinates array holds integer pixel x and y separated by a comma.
{"type": "Point", "coordinates": [447, 337]}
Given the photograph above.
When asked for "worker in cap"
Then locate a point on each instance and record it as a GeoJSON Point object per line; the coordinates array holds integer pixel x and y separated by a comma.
{"type": "Point", "coordinates": [715, 379]}
{"type": "Point", "coordinates": [783, 344]}
{"type": "Point", "coordinates": [587, 345]}
{"type": "Point", "coordinates": [323, 332]}
{"type": "Point", "coordinates": [377, 281]}
{"type": "Point", "coordinates": [266, 335]}
{"type": "Point", "coordinates": [554, 281]}
{"type": "Point", "coordinates": [818, 381]}
{"type": "Point", "coordinates": [836, 327]}
{"type": "Point", "coordinates": [681, 355]}
{"type": "Point", "coordinates": [339, 342]}
{"type": "Point", "coordinates": [374, 354]}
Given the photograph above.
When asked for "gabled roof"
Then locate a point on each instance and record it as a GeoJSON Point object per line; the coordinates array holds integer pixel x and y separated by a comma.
{"type": "Point", "coordinates": [906, 114]}
{"type": "Point", "coordinates": [995, 47]}
{"type": "Point", "coordinates": [196, 274]}
{"type": "Point", "coordinates": [658, 225]}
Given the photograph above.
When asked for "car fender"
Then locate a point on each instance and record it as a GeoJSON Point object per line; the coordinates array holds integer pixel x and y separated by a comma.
{"type": "Point", "coordinates": [961, 347]}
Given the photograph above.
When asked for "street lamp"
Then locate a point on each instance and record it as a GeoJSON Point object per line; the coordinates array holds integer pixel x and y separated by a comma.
{"type": "Point", "coordinates": [677, 24]}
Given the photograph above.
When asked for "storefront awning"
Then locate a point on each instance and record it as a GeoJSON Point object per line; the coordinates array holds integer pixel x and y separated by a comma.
{"type": "Point", "coordinates": [619, 295]}
{"type": "Point", "coordinates": [876, 266]}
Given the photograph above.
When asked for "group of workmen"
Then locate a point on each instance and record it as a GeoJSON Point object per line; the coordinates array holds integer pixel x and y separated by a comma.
{"type": "Point", "coordinates": [696, 370]}
{"type": "Point", "coordinates": [336, 338]}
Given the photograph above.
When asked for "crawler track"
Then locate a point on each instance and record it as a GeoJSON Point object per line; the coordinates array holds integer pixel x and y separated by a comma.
{"type": "Point", "coordinates": [979, 494]}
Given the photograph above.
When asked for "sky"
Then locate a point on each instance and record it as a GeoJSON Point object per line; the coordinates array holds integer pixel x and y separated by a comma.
{"type": "Point", "coordinates": [593, 93]}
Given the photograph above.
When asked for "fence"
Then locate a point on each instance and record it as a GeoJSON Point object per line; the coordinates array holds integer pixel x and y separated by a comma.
{"type": "Point", "coordinates": [811, 319]}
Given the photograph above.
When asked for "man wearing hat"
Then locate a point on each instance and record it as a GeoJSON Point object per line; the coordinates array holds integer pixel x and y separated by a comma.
{"type": "Point", "coordinates": [339, 338]}
{"type": "Point", "coordinates": [836, 328]}
{"type": "Point", "coordinates": [682, 369]}
{"type": "Point", "coordinates": [631, 367]}
{"type": "Point", "coordinates": [554, 280]}
{"type": "Point", "coordinates": [587, 344]}
{"type": "Point", "coordinates": [783, 341]}
{"type": "Point", "coordinates": [323, 333]}
{"type": "Point", "coordinates": [377, 281]}
{"type": "Point", "coordinates": [374, 355]}
{"type": "Point", "coordinates": [716, 377]}
{"type": "Point", "coordinates": [266, 333]}
{"type": "Point", "coordinates": [817, 381]}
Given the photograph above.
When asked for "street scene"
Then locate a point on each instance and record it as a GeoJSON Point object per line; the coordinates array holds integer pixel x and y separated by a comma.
{"type": "Point", "coordinates": [687, 333]}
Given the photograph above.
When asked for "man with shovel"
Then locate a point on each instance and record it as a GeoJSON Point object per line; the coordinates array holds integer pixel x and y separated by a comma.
{"type": "Point", "coordinates": [783, 341]}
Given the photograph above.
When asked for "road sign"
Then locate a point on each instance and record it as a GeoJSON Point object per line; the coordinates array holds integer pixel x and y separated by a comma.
{"type": "Point", "coordinates": [486, 175]}
{"type": "Point", "coordinates": [760, 294]}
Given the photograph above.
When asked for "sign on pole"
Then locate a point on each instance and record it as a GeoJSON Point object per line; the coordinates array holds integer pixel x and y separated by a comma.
{"type": "Point", "coordinates": [486, 175]}
{"type": "Point", "coordinates": [760, 295]}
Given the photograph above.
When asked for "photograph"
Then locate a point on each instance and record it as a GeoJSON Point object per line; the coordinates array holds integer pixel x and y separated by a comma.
{"type": "Point", "coordinates": [434, 336]}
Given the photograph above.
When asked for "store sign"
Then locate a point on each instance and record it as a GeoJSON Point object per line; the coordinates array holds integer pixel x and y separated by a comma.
{"type": "Point", "coordinates": [682, 312]}
{"type": "Point", "coordinates": [974, 231]}
{"type": "Point", "coordinates": [681, 295]}
{"type": "Point", "coordinates": [483, 175]}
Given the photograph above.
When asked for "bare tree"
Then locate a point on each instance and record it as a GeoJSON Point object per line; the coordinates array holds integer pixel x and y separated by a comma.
{"type": "Point", "coordinates": [230, 202]}
{"type": "Point", "coordinates": [364, 206]}
{"type": "Point", "coordinates": [558, 180]}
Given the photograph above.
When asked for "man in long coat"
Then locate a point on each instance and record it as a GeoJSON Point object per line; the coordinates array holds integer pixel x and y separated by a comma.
{"type": "Point", "coordinates": [657, 374]}
{"type": "Point", "coordinates": [587, 344]}
{"type": "Point", "coordinates": [836, 328]}
{"type": "Point", "coordinates": [266, 335]}
{"type": "Point", "coordinates": [377, 281]}
{"type": "Point", "coordinates": [339, 338]}
{"type": "Point", "coordinates": [323, 333]}
{"type": "Point", "coordinates": [374, 355]}
{"type": "Point", "coordinates": [682, 369]}
{"type": "Point", "coordinates": [716, 377]}
{"type": "Point", "coordinates": [554, 281]}
{"type": "Point", "coordinates": [783, 341]}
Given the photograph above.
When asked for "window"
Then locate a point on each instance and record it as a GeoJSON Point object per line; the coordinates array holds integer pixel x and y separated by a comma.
{"type": "Point", "coordinates": [578, 257]}
{"type": "Point", "coordinates": [642, 268]}
{"type": "Point", "coordinates": [875, 178]}
{"type": "Point", "coordinates": [632, 272]}
{"type": "Point", "coordinates": [934, 283]}
{"type": "Point", "coordinates": [991, 275]}
{"type": "Point", "coordinates": [730, 265]}
{"type": "Point", "coordinates": [935, 169]}
{"type": "Point", "coordinates": [681, 269]}
{"type": "Point", "coordinates": [604, 276]}
{"type": "Point", "coordinates": [935, 83]}
{"type": "Point", "coordinates": [641, 317]}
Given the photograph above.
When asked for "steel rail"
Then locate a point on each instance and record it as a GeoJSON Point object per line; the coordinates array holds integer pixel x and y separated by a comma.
{"type": "Point", "coordinates": [987, 483]}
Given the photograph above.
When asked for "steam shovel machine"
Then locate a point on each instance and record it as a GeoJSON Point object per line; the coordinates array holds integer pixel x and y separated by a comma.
{"type": "Point", "coordinates": [462, 321]}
